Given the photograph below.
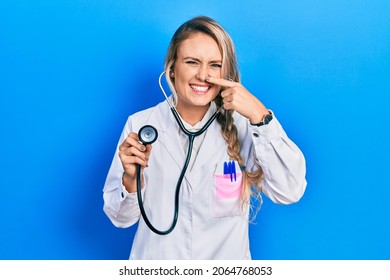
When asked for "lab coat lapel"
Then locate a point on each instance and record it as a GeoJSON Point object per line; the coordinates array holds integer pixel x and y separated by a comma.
{"type": "Point", "coordinates": [210, 151]}
{"type": "Point", "coordinates": [168, 134]}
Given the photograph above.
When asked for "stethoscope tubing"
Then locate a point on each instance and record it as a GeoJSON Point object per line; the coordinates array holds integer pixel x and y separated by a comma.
{"type": "Point", "coordinates": [191, 137]}
{"type": "Point", "coordinates": [177, 193]}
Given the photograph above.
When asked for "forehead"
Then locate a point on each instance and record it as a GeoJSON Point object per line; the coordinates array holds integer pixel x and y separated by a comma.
{"type": "Point", "coordinates": [200, 46]}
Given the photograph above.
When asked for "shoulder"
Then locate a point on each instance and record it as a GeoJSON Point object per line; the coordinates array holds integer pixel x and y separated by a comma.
{"type": "Point", "coordinates": [146, 116]}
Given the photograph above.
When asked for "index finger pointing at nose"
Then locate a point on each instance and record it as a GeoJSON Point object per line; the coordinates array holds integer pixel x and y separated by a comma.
{"type": "Point", "coordinates": [220, 82]}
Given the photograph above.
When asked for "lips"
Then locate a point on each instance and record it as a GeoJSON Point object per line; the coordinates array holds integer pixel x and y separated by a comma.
{"type": "Point", "coordinates": [200, 89]}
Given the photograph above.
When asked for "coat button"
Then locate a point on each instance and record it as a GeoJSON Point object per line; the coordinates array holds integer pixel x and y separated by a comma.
{"type": "Point", "coordinates": [255, 134]}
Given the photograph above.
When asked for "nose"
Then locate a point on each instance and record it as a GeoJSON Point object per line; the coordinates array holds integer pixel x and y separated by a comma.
{"type": "Point", "coordinates": [202, 73]}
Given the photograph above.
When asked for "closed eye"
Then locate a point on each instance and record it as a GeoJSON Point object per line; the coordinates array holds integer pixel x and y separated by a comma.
{"type": "Point", "coordinates": [191, 62]}
{"type": "Point", "coordinates": [216, 65]}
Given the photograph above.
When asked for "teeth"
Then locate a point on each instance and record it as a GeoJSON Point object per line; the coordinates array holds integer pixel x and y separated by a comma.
{"type": "Point", "coordinates": [200, 88]}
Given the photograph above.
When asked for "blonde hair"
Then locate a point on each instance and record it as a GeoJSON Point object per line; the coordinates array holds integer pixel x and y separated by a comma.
{"type": "Point", "coordinates": [208, 26]}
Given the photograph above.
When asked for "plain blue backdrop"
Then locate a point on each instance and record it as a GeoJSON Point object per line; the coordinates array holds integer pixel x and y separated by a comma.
{"type": "Point", "coordinates": [72, 71]}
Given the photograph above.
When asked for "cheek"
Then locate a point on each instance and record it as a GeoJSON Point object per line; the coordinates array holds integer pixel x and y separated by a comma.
{"type": "Point", "coordinates": [179, 84]}
{"type": "Point", "coordinates": [181, 76]}
{"type": "Point", "coordinates": [216, 91]}
{"type": "Point", "coordinates": [216, 73]}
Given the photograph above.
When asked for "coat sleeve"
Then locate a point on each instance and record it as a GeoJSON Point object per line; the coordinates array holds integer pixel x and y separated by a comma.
{"type": "Point", "coordinates": [281, 160]}
{"type": "Point", "coordinates": [120, 206]}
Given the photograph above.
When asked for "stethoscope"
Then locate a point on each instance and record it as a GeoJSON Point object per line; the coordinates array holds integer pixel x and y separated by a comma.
{"type": "Point", "coordinates": [148, 135]}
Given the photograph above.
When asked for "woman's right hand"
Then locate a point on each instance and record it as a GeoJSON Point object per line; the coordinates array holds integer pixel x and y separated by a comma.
{"type": "Point", "coordinates": [131, 153]}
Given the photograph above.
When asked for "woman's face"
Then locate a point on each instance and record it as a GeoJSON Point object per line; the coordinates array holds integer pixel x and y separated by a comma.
{"type": "Point", "coordinates": [197, 58]}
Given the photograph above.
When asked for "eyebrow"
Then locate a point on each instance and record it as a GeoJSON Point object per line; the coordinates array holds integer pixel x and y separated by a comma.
{"type": "Point", "coordinates": [197, 59]}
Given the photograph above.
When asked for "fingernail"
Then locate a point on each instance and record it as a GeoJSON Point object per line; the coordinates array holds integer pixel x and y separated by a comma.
{"type": "Point", "coordinates": [143, 148]}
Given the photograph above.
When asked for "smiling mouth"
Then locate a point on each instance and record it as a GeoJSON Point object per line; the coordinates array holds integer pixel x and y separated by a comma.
{"type": "Point", "coordinates": [200, 89]}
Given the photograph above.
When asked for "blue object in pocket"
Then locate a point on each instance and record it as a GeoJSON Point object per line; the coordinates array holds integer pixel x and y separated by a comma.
{"type": "Point", "coordinates": [230, 168]}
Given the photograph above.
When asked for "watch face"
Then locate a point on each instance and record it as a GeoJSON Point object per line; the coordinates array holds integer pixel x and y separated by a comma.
{"type": "Point", "coordinates": [267, 118]}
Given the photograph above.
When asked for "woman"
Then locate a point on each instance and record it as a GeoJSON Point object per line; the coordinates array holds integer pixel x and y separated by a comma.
{"type": "Point", "coordinates": [214, 207]}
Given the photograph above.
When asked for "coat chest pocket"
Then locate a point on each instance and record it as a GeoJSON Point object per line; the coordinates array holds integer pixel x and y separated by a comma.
{"type": "Point", "coordinates": [225, 196]}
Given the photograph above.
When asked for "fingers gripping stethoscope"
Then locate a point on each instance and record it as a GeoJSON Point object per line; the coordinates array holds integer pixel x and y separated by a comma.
{"type": "Point", "coordinates": [148, 135]}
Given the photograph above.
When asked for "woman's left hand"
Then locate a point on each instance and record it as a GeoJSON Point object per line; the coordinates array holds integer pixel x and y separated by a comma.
{"type": "Point", "coordinates": [236, 97]}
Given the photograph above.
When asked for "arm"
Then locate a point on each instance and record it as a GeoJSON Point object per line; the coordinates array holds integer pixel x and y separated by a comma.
{"type": "Point", "coordinates": [119, 194]}
{"type": "Point", "coordinates": [282, 162]}
{"type": "Point", "coordinates": [121, 207]}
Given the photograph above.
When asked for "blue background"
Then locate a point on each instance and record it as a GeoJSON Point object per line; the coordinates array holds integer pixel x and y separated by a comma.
{"type": "Point", "coordinates": [72, 71]}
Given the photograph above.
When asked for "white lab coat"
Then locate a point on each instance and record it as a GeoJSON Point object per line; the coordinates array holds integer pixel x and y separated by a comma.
{"type": "Point", "coordinates": [211, 224]}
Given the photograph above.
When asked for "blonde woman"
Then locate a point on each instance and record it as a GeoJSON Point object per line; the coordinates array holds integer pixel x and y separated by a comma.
{"type": "Point", "coordinates": [214, 207]}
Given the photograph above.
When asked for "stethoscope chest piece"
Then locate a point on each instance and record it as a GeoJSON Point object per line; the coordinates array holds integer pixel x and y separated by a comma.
{"type": "Point", "coordinates": [147, 134]}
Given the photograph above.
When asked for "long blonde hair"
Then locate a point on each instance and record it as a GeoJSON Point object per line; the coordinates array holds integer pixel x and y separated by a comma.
{"type": "Point", "coordinates": [208, 26]}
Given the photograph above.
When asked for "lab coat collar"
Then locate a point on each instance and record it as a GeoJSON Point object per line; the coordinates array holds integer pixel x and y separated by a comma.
{"type": "Point", "coordinates": [203, 121]}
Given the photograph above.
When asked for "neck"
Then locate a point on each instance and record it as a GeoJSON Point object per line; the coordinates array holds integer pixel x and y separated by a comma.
{"type": "Point", "coordinates": [192, 115]}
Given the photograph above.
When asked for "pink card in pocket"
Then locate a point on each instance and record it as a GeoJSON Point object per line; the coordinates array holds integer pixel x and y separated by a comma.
{"type": "Point", "coordinates": [227, 188]}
